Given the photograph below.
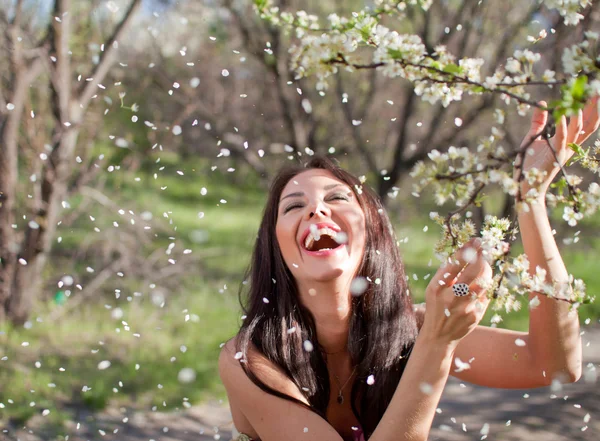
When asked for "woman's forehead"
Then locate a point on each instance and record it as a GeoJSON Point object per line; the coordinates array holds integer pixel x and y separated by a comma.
{"type": "Point", "coordinates": [313, 178]}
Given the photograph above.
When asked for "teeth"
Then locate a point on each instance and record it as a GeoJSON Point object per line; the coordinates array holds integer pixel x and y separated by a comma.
{"type": "Point", "coordinates": [315, 232]}
{"type": "Point", "coordinates": [315, 235]}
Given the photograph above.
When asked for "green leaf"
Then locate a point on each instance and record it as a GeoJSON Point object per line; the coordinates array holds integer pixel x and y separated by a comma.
{"type": "Point", "coordinates": [481, 197]}
{"type": "Point", "coordinates": [561, 184]}
{"type": "Point", "coordinates": [578, 88]}
{"type": "Point", "coordinates": [580, 153]}
{"type": "Point", "coordinates": [576, 148]}
{"type": "Point", "coordinates": [559, 110]}
{"type": "Point", "coordinates": [365, 34]}
{"type": "Point", "coordinates": [453, 69]}
{"type": "Point", "coordinates": [260, 4]}
{"type": "Point", "coordinates": [395, 54]}
{"type": "Point", "coordinates": [573, 98]}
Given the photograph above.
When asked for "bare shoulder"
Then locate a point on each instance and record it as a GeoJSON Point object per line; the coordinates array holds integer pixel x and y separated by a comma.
{"type": "Point", "coordinates": [237, 382]}
{"type": "Point", "coordinates": [227, 359]}
{"type": "Point", "coordinates": [264, 415]}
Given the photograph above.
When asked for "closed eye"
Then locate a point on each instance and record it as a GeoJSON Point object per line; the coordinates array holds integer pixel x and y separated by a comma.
{"type": "Point", "coordinates": [335, 197]}
{"type": "Point", "coordinates": [339, 197]}
{"type": "Point", "coordinates": [291, 207]}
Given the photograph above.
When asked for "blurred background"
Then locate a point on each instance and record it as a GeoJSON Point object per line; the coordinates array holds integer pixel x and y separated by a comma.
{"type": "Point", "coordinates": [137, 141]}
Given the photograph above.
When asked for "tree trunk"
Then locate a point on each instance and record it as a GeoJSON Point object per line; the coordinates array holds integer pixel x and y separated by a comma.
{"type": "Point", "coordinates": [38, 237]}
{"type": "Point", "coordinates": [22, 265]}
{"type": "Point", "coordinates": [9, 130]}
{"type": "Point", "coordinates": [8, 179]}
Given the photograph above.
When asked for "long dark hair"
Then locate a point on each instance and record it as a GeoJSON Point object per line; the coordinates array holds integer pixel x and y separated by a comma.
{"type": "Point", "coordinates": [382, 325]}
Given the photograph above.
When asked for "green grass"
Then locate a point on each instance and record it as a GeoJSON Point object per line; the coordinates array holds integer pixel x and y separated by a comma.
{"type": "Point", "coordinates": [222, 238]}
{"type": "Point", "coordinates": [62, 356]}
{"type": "Point", "coordinates": [69, 348]}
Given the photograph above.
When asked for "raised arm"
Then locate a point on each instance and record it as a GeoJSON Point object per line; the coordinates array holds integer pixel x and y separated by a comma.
{"type": "Point", "coordinates": [554, 341]}
{"type": "Point", "coordinates": [412, 408]}
{"type": "Point", "coordinates": [553, 345]}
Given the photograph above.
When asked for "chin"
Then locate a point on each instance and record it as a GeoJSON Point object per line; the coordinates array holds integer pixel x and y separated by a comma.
{"type": "Point", "coordinates": [323, 274]}
{"type": "Point", "coordinates": [327, 276]}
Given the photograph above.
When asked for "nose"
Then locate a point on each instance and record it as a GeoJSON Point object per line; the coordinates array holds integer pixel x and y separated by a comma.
{"type": "Point", "coordinates": [318, 209]}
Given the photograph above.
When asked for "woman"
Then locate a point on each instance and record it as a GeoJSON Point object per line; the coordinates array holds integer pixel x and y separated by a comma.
{"type": "Point", "coordinates": [330, 347]}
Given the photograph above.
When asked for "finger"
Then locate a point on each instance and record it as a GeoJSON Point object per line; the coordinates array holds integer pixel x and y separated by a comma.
{"type": "Point", "coordinates": [448, 272]}
{"type": "Point", "coordinates": [479, 306]}
{"type": "Point", "coordinates": [473, 272]}
{"type": "Point", "coordinates": [575, 127]}
{"type": "Point", "coordinates": [561, 133]}
{"type": "Point", "coordinates": [479, 300]}
{"type": "Point", "coordinates": [591, 120]}
{"type": "Point", "coordinates": [538, 122]}
{"type": "Point", "coordinates": [482, 283]}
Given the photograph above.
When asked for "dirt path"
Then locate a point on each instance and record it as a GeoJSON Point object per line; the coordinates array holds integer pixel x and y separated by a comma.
{"type": "Point", "coordinates": [542, 414]}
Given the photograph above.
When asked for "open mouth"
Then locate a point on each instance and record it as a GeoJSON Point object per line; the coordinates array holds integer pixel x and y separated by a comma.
{"type": "Point", "coordinates": [323, 238]}
{"type": "Point", "coordinates": [325, 242]}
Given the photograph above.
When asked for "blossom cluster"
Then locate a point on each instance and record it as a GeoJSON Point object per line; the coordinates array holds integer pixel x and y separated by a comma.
{"type": "Point", "coordinates": [457, 174]}
{"type": "Point", "coordinates": [569, 9]}
{"type": "Point", "coordinates": [514, 281]}
{"type": "Point", "coordinates": [437, 76]}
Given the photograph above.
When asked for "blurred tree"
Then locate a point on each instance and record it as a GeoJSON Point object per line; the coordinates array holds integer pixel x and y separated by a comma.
{"type": "Point", "coordinates": [240, 98]}
{"type": "Point", "coordinates": [211, 79]}
{"type": "Point", "coordinates": [23, 253]}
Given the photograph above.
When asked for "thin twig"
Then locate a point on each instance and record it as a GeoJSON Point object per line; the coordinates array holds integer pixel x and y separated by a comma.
{"type": "Point", "coordinates": [459, 210]}
{"type": "Point", "coordinates": [453, 78]}
{"type": "Point", "coordinates": [570, 187]}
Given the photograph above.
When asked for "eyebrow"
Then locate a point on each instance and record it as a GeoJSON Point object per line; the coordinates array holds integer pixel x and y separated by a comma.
{"type": "Point", "coordinates": [300, 193]}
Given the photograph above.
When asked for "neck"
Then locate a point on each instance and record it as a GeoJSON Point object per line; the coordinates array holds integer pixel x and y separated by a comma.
{"type": "Point", "coordinates": [330, 304]}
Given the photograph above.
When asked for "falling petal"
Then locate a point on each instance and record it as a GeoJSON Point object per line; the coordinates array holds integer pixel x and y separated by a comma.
{"type": "Point", "coordinates": [186, 375]}
{"type": "Point", "coordinates": [358, 286]}
{"type": "Point", "coordinates": [105, 364]}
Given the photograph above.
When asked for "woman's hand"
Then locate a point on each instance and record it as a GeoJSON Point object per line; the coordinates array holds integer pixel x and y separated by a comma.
{"type": "Point", "coordinates": [539, 155]}
{"type": "Point", "coordinates": [449, 318]}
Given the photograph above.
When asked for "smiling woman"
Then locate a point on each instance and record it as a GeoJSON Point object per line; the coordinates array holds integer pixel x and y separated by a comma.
{"type": "Point", "coordinates": [331, 347]}
{"type": "Point", "coordinates": [305, 338]}
{"type": "Point", "coordinates": [306, 228]}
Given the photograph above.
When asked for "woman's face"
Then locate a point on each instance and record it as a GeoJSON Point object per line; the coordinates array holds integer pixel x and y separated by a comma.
{"type": "Point", "coordinates": [329, 243]}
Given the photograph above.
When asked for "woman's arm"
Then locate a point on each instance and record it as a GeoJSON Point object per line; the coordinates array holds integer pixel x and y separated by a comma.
{"type": "Point", "coordinates": [552, 347]}
{"type": "Point", "coordinates": [554, 341]}
{"type": "Point", "coordinates": [410, 413]}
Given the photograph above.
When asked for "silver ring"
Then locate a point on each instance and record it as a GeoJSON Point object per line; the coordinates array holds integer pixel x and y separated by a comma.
{"type": "Point", "coordinates": [460, 289]}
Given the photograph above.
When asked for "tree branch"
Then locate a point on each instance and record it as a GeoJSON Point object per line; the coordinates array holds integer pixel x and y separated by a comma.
{"type": "Point", "coordinates": [106, 60]}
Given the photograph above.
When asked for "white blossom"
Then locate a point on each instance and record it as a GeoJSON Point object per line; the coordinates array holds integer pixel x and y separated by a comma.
{"type": "Point", "coordinates": [571, 216]}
